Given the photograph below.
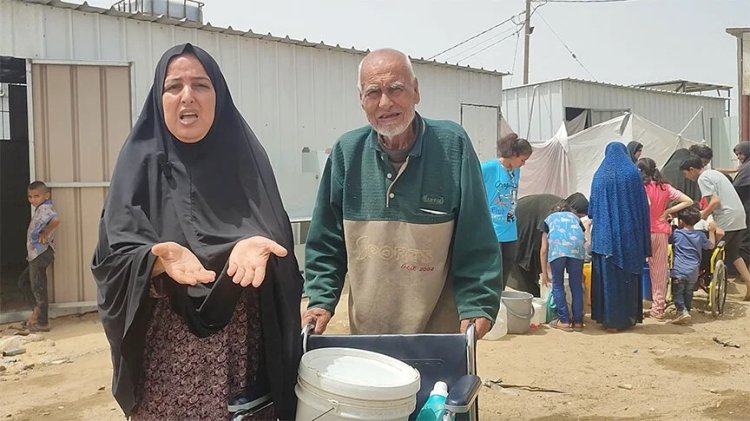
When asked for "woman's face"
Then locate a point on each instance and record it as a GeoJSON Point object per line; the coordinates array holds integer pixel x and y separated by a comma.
{"type": "Point", "coordinates": [189, 99]}
{"type": "Point", "coordinates": [740, 156]}
{"type": "Point", "coordinates": [637, 154]}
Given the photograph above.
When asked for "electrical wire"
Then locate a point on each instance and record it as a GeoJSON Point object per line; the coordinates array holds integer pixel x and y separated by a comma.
{"type": "Point", "coordinates": [572, 54]}
{"type": "Point", "coordinates": [473, 37]}
{"type": "Point", "coordinates": [580, 1]}
{"type": "Point", "coordinates": [481, 43]}
{"type": "Point", "coordinates": [491, 45]}
{"type": "Point", "coordinates": [515, 55]}
{"type": "Point", "coordinates": [519, 28]}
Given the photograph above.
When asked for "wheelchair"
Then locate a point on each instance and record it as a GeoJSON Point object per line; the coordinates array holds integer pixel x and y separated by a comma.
{"type": "Point", "coordinates": [450, 358]}
{"type": "Point", "coordinates": [712, 278]}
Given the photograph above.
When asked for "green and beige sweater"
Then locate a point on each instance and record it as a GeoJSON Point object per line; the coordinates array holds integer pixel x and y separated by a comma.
{"type": "Point", "coordinates": [417, 246]}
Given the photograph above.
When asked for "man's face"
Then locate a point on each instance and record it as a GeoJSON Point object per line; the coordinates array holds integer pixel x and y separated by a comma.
{"type": "Point", "coordinates": [189, 99]}
{"type": "Point", "coordinates": [37, 197]}
{"type": "Point", "coordinates": [388, 95]}
{"type": "Point", "coordinates": [691, 174]}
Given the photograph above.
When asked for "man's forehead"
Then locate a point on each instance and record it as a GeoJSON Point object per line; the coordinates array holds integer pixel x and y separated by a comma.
{"type": "Point", "coordinates": [381, 64]}
{"type": "Point", "coordinates": [385, 80]}
{"type": "Point", "coordinates": [384, 76]}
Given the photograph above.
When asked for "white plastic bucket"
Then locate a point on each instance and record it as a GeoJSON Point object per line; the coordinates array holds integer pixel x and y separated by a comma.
{"type": "Point", "coordinates": [500, 328]}
{"type": "Point", "coordinates": [336, 384]}
{"type": "Point", "coordinates": [520, 311]}
{"type": "Point", "coordinates": [544, 291]}
{"type": "Point", "coordinates": [540, 311]}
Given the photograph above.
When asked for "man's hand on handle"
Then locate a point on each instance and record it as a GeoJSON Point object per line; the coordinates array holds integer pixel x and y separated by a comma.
{"type": "Point", "coordinates": [317, 316]}
{"type": "Point", "coordinates": [481, 326]}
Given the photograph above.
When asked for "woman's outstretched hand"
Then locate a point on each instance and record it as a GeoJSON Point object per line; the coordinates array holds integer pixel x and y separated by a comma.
{"type": "Point", "coordinates": [247, 262]}
{"type": "Point", "coordinates": [180, 264]}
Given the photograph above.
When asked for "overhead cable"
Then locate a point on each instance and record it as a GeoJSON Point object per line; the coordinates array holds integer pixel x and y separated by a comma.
{"type": "Point", "coordinates": [566, 46]}
{"type": "Point", "coordinates": [491, 45]}
{"type": "Point", "coordinates": [473, 37]}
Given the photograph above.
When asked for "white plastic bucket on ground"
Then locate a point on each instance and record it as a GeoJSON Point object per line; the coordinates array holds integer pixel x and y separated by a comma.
{"type": "Point", "coordinates": [540, 311]}
{"type": "Point", "coordinates": [336, 384]}
{"type": "Point", "coordinates": [520, 311]}
{"type": "Point", "coordinates": [544, 291]}
{"type": "Point", "coordinates": [500, 328]}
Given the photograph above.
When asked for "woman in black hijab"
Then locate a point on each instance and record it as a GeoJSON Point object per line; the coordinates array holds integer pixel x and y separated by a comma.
{"type": "Point", "coordinates": [742, 178]}
{"type": "Point", "coordinates": [741, 183]}
{"type": "Point", "coordinates": [193, 191]}
{"type": "Point", "coordinates": [634, 150]}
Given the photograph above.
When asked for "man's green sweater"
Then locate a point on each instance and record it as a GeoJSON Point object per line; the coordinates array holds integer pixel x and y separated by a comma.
{"type": "Point", "coordinates": [417, 245]}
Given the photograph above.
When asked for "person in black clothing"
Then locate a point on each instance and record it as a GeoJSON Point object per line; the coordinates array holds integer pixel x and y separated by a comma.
{"type": "Point", "coordinates": [192, 198]}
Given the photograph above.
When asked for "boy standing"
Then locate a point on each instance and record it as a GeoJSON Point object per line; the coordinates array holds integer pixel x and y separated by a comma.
{"type": "Point", "coordinates": [726, 207]}
{"type": "Point", "coordinates": [40, 253]}
{"type": "Point", "coordinates": [688, 245]}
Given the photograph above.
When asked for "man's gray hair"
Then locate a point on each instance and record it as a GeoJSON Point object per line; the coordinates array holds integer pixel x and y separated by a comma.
{"type": "Point", "coordinates": [404, 57]}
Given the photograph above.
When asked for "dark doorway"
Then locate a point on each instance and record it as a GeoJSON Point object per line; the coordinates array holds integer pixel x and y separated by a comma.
{"type": "Point", "coordinates": [14, 178]}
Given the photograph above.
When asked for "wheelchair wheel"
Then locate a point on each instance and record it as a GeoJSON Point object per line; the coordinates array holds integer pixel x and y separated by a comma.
{"type": "Point", "coordinates": [718, 288]}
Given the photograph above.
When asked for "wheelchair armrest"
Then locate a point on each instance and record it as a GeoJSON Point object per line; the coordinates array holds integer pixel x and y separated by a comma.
{"type": "Point", "coordinates": [462, 394]}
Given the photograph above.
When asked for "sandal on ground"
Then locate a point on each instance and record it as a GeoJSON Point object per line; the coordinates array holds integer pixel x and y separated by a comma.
{"type": "Point", "coordinates": [32, 319]}
{"type": "Point", "coordinates": [657, 317]}
{"type": "Point", "coordinates": [578, 326]}
{"type": "Point", "coordinates": [37, 328]}
{"type": "Point", "coordinates": [557, 324]}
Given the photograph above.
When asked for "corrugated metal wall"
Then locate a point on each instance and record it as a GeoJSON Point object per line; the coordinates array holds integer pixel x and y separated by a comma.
{"type": "Point", "coordinates": [535, 112]}
{"type": "Point", "coordinates": [669, 110]}
{"type": "Point", "coordinates": [293, 96]}
{"type": "Point", "coordinates": [81, 116]}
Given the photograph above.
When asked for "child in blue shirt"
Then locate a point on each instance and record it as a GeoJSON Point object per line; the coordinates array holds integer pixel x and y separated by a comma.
{"type": "Point", "coordinates": [687, 246]}
{"type": "Point", "coordinates": [564, 248]}
{"type": "Point", "coordinates": [40, 252]}
{"type": "Point", "coordinates": [501, 177]}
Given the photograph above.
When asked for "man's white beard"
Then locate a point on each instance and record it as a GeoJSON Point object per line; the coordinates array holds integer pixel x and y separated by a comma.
{"type": "Point", "coordinates": [393, 131]}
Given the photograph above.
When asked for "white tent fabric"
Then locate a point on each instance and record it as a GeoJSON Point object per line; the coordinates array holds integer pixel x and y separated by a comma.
{"type": "Point", "coordinates": [578, 124]}
{"type": "Point", "coordinates": [566, 164]}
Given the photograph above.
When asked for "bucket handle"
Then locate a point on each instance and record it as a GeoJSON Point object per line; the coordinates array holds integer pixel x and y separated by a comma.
{"type": "Point", "coordinates": [332, 402]}
{"type": "Point", "coordinates": [528, 317]}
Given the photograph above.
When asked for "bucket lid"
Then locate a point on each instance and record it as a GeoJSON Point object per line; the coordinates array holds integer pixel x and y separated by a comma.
{"type": "Point", "coordinates": [359, 374]}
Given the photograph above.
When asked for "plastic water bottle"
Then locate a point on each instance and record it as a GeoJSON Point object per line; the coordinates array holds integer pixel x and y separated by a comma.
{"type": "Point", "coordinates": [434, 408]}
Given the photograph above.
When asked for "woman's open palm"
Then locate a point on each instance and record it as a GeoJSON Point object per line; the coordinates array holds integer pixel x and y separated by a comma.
{"type": "Point", "coordinates": [181, 264]}
{"type": "Point", "coordinates": [247, 262]}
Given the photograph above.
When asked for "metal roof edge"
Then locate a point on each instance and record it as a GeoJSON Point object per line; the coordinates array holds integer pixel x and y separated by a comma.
{"type": "Point", "coordinates": [613, 85]}
{"type": "Point", "coordinates": [678, 81]}
{"type": "Point", "coordinates": [737, 31]}
{"type": "Point", "coordinates": [160, 19]}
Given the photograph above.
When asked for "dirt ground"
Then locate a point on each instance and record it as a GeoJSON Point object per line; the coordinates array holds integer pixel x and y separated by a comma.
{"type": "Point", "coordinates": [657, 371]}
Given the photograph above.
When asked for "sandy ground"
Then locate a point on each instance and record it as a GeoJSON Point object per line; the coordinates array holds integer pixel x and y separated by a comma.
{"type": "Point", "coordinates": [654, 371]}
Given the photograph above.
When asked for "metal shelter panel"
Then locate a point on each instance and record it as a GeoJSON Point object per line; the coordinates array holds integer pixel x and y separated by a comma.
{"type": "Point", "coordinates": [538, 110]}
{"type": "Point", "coordinates": [295, 94]}
{"type": "Point", "coordinates": [81, 116]}
{"type": "Point", "coordinates": [482, 123]}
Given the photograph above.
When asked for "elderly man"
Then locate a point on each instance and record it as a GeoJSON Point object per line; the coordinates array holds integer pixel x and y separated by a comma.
{"type": "Point", "coordinates": [401, 213]}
